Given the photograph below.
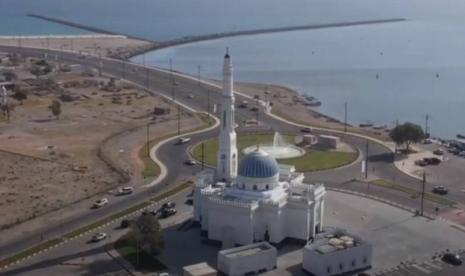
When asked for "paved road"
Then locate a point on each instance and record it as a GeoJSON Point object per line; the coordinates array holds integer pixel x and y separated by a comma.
{"type": "Point", "coordinates": [160, 82]}
{"type": "Point", "coordinates": [81, 257]}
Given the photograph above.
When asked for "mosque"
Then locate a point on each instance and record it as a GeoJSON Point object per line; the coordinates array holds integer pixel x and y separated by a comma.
{"type": "Point", "coordinates": [257, 199]}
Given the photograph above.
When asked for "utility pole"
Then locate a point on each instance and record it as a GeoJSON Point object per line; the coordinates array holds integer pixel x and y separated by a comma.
{"type": "Point", "coordinates": [345, 117]}
{"type": "Point", "coordinates": [423, 193]}
{"type": "Point", "coordinates": [148, 141]}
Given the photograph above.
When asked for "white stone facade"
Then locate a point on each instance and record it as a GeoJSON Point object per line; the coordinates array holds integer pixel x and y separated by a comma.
{"type": "Point", "coordinates": [253, 258]}
{"type": "Point", "coordinates": [258, 201]}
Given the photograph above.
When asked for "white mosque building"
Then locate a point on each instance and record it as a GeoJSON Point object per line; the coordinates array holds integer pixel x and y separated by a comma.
{"type": "Point", "coordinates": [257, 200]}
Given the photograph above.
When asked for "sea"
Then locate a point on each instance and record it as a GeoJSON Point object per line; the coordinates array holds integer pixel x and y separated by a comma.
{"type": "Point", "coordinates": [385, 72]}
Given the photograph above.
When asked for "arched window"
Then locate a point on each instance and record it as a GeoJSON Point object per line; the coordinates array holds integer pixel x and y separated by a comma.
{"type": "Point", "coordinates": [254, 187]}
{"type": "Point", "coordinates": [243, 186]}
{"type": "Point", "coordinates": [267, 186]}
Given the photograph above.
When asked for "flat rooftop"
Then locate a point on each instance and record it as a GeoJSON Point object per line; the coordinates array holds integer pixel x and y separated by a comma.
{"type": "Point", "coordinates": [333, 239]}
{"type": "Point", "coordinates": [247, 250]}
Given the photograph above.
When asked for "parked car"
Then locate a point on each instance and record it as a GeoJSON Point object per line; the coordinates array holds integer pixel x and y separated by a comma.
{"type": "Point", "coordinates": [98, 237]}
{"type": "Point", "coordinates": [254, 108]}
{"type": "Point", "coordinates": [451, 258]}
{"type": "Point", "coordinates": [168, 205]}
{"type": "Point", "coordinates": [168, 212]}
{"type": "Point", "coordinates": [438, 152]}
{"type": "Point", "coordinates": [190, 162]}
{"type": "Point", "coordinates": [454, 150]}
{"type": "Point", "coordinates": [440, 190]}
{"type": "Point", "coordinates": [462, 153]}
{"type": "Point", "coordinates": [306, 130]}
{"type": "Point", "coordinates": [432, 160]}
{"type": "Point", "coordinates": [421, 163]}
{"type": "Point", "coordinates": [126, 190]}
{"type": "Point", "coordinates": [125, 223]}
{"type": "Point", "coordinates": [100, 203]}
{"type": "Point", "coordinates": [155, 212]}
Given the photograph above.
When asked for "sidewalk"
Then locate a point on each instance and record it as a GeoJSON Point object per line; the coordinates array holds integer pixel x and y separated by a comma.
{"type": "Point", "coordinates": [406, 163]}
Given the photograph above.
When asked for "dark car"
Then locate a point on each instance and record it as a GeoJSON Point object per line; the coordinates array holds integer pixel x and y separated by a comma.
{"type": "Point", "coordinates": [125, 223]}
{"type": "Point", "coordinates": [433, 161]}
{"type": "Point", "coordinates": [306, 130]}
{"type": "Point", "coordinates": [438, 152]}
{"type": "Point", "coordinates": [168, 212]}
{"type": "Point", "coordinates": [440, 190]}
{"type": "Point", "coordinates": [451, 258]}
{"type": "Point", "coordinates": [168, 205]}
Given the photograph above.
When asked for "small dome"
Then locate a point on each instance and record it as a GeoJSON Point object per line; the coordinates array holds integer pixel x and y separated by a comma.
{"type": "Point", "coordinates": [258, 164]}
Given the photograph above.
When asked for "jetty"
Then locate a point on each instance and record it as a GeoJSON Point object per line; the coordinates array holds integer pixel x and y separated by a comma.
{"type": "Point", "coordinates": [156, 45]}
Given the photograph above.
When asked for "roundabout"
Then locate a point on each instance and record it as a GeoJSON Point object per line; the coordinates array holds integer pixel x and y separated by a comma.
{"type": "Point", "coordinates": [304, 160]}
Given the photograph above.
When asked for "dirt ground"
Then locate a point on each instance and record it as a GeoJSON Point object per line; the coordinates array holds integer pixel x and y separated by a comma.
{"type": "Point", "coordinates": [105, 45]}
{"type": "Point", "coordinates": [49, 162]}
{"type": "Point", "coordinates": [287, 103]}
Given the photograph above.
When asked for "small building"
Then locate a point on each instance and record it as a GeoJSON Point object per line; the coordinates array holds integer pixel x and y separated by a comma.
{"type": "Point", "coordinates": [309, 139]}
{"type": "Point", "coordinates": [335, 252]}
{"type": "Point", "coordinates": [328, 141]}
{"type": "Point", "coordinates": [252, 258]}
{"type": "Point", "coordinates": [200, 269]}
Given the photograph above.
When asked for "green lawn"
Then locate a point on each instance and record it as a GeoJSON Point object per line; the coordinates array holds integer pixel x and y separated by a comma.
{"type": "Point", "coordinates": [412, 192]}
{"type": "Point", "coordinates": [313, 160]}
{"type": "Point", "coordinates": [144, 262]}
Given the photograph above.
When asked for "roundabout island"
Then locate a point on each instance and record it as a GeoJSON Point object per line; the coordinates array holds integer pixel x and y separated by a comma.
{"type": "Point", "coordinates": [283, 148]}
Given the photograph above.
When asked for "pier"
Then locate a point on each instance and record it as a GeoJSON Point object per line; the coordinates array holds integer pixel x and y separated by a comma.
{"type": "Point", "coordinates": [156, 45]}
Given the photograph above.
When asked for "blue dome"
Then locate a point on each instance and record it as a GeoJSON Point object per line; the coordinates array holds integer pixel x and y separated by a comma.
{"type": "Point", "coordinates": [258, 164]}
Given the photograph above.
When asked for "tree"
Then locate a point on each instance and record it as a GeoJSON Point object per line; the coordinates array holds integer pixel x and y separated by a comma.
{"type": "Point", "coordinates": [146, 232]}
{"type": "Point", "coordinates": [10, 76]}
{"type": "Point", "coordinates": [55, 108]}
{"type": "Point", "coordinates": [407, 134]}
{"type": "Point", "coordinates": [36, 71]}
{"type": "Point", "coordinates": [19, 96]}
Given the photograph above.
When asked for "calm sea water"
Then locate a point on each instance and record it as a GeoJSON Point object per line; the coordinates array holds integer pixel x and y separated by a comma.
{"type": "Point", "coordinates": [420, 63]}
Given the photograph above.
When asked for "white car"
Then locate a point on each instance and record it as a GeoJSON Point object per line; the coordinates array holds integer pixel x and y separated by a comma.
{"type": "Point", "coordinates": [100, 203]}
{"type": "Point", "coordinates": [98, 237]}
{"type": "Point", "coordinates": [126, 190]}
{"type": "Point", "coordinates": [190, 162]}
{"type": "Point", "coordinates": [183, 140]}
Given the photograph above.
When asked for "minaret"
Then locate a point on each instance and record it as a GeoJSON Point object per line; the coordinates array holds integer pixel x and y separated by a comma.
{"type": "Point", "coordinates": [227, 152]}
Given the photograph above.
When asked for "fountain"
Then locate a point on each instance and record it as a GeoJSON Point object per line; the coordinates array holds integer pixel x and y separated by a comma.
{"type": "Point", "coordinates": [279, 149]}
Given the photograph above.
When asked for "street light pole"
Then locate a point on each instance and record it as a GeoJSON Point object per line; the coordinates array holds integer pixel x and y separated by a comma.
{"type": "Point", "coordinates": [366, 160]}
{"type": "Point", "coordinates": [148, 141]}
{"type": "Point", "coordinates": [423, 193]}
{"type": "Point", "coordinates": [203, 155]}
{"type": "Point", "coordinates": [179, 119]}
{"type": "Point", "coordinates": [345, 117]}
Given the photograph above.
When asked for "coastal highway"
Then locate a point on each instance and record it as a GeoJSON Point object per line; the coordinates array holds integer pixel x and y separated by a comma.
{"type": "Point", "coordinates": [159, 81]}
